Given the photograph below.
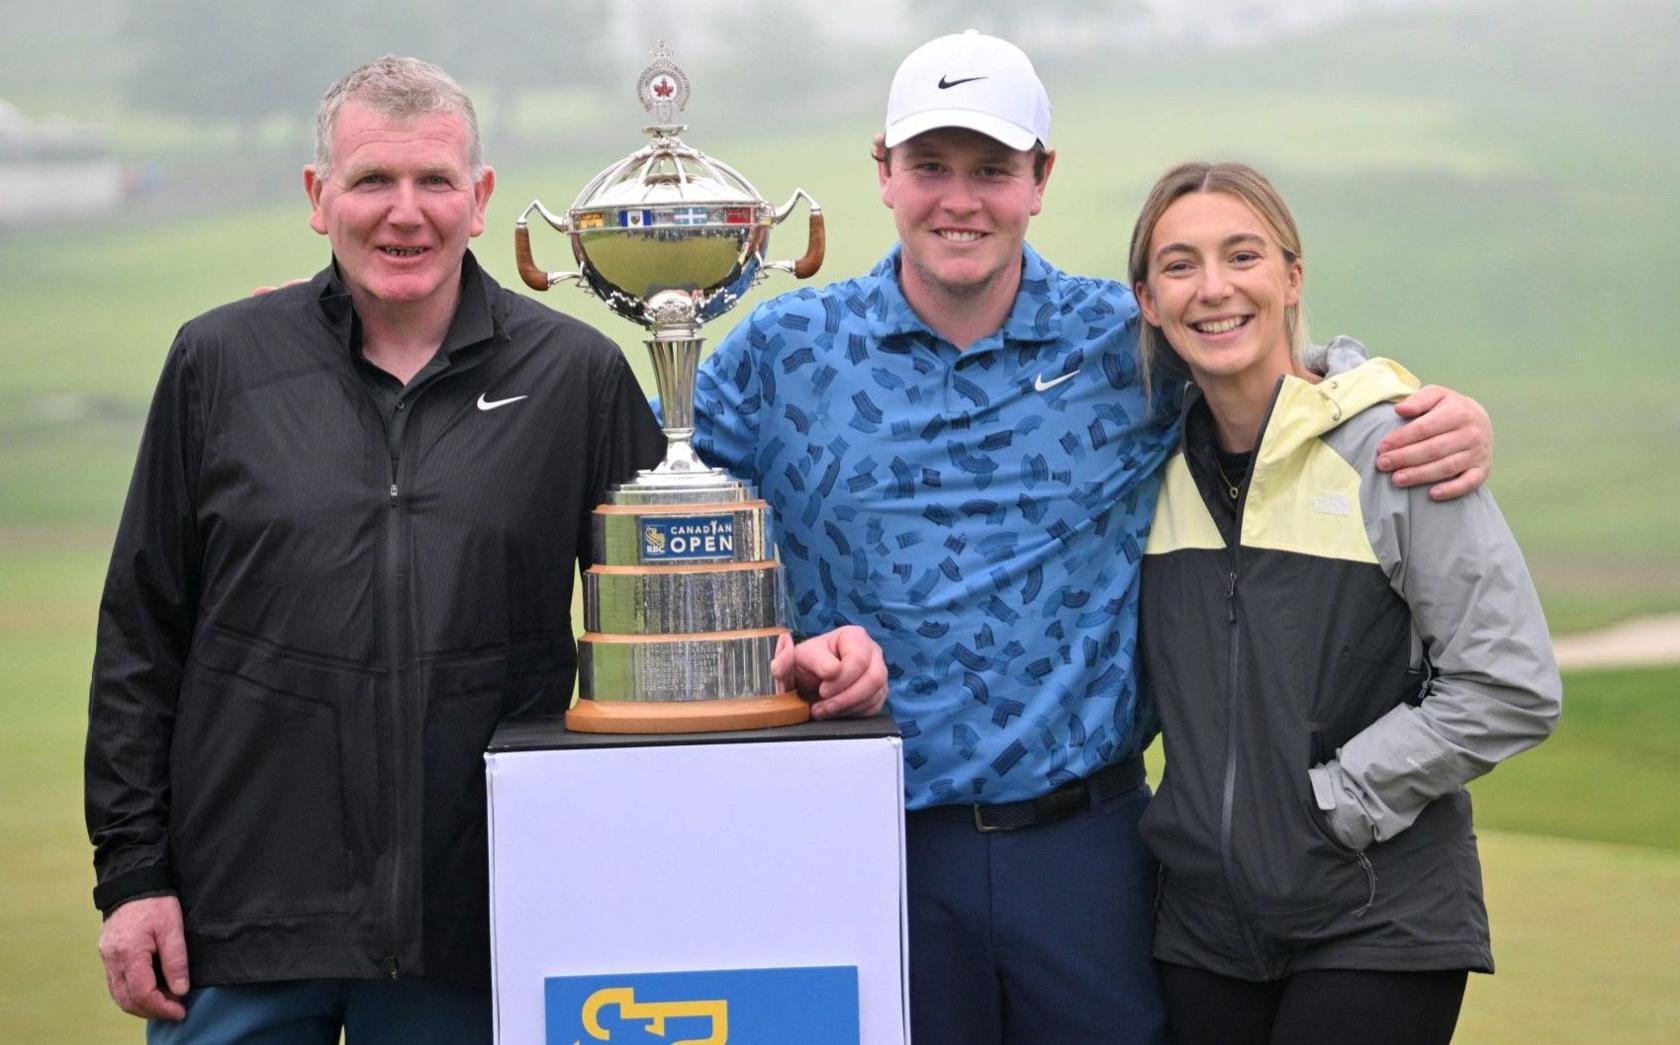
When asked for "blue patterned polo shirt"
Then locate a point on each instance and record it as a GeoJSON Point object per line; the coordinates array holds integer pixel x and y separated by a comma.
{"type": "Point", "coordinates": [981, 513]}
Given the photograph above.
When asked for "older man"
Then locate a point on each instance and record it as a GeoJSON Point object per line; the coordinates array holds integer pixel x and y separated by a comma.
{"type": "Point", "coordinates": [346, 555]}
{"type": "Point", "coordinates": [962, 460]}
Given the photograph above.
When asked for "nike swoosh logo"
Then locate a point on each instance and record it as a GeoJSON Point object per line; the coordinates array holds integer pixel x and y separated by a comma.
{"type": "Point", "coordinates": [491, 404]}
{"type": "Point", "coordinates": [945, 85]}
{"type": "Point", "coordinates": [1041, 385]}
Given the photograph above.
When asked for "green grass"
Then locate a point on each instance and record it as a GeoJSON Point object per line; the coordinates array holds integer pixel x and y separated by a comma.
{"type": "Point", "coordinates": [1586, 939]}
{"type": "Point", "coordinates": [54, 989]}
{"type": "Point", "coordinates": [1624, 726]}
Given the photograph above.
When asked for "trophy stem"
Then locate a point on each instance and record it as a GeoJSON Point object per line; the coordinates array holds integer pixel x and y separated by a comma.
{"type": "Point", "coordinates": [675, 362]}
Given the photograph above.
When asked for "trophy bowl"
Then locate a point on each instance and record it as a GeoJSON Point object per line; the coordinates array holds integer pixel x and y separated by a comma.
{"type": "Point", "coordinates": [668, 221]}
{"type": "Point", "coordinates": [684, 606]}
{"type": "Point", "coordinates": [626, 217]}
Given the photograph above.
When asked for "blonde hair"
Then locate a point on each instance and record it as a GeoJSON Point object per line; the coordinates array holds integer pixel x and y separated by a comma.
{"type": "Point", "coordinates": [401, 88]}
{"type": "Point", "coordinates": [1233, 179]}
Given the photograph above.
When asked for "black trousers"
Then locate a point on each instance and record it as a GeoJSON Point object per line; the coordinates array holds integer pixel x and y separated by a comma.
{"type": "Point", "coordinates": [1312, 1007]}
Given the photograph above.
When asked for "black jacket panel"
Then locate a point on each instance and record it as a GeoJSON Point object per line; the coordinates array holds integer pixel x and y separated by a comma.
{"type": "Point", "coordinates": [316, 615]}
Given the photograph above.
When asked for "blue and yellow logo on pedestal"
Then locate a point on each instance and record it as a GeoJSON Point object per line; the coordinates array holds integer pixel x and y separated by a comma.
{"type": "Point", "coordinates": [813, 1006]}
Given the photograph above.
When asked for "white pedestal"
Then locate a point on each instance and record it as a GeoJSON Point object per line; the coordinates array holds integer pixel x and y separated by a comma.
{"type": "Point", "coordinates": [617, 857]}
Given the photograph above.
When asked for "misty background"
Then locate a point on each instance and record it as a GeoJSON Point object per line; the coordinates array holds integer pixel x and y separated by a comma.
{"type": "Point", "coordinates": [1481, 186]}
{"type": "Point", "coordinates": [172, 82]}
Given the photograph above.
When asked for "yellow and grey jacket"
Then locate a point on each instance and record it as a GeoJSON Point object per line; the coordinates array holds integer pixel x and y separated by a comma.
{"type": "Point", "coordinates": [1333, 659]}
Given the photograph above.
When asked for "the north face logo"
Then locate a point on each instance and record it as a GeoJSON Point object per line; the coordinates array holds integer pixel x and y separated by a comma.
{"type": "Point", "coordinates": [1330, 504]}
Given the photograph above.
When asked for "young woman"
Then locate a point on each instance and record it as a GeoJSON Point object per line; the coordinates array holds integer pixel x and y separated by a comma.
{"type": "Point", "coordinates": [1333, 657]}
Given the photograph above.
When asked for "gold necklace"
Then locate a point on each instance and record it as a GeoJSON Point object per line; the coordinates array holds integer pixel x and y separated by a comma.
{"type": "Point", "coordinates": [1231, 488]}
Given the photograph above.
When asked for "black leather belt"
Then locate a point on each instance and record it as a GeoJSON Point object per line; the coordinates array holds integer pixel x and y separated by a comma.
{"type": "Point", "coordinates": [1065, 801]}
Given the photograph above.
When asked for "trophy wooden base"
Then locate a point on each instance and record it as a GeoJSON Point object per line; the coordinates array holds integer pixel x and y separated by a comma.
{"type": "Point", "coordinates": [687, 716]}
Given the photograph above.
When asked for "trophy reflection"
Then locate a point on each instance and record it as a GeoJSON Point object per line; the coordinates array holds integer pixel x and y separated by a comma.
{"type": "Point", "coordinates": [685, 607]}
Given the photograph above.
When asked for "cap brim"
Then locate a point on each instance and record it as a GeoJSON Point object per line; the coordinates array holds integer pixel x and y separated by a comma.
{"type": "Point", "coordinates": [1012, 135]}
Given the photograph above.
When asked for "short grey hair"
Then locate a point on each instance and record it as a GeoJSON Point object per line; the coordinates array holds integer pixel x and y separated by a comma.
{"type": "Point", "coordinates": [401, 88]}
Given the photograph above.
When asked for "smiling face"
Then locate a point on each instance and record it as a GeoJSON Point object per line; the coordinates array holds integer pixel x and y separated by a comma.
{"type": "Point", "coordinates": [398, 206]}
{"type": "Point", "coordinates": [1221, 288]}
{"type": "Point", "coordinates": [961, 202]}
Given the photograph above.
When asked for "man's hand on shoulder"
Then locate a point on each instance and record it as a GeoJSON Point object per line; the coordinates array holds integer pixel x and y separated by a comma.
{"type": "Point", "coordinates": [258, 292]}
{"type": "Point", "coordinates": [132, 935]}
{"type": "Point", "coordinates": [1448, 442]}
{"type": "Point", "coordinates": [841, 672]}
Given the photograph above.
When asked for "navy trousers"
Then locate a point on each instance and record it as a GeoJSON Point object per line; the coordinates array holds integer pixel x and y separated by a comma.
{"type": "Point", "coordinates": [1039, 936]}
{"type": "Point", "coordinates": [312, 1012]}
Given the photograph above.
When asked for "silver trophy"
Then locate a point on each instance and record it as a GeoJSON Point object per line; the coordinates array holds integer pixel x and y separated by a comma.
{"type": "Point", "coordinates": [684, 608]}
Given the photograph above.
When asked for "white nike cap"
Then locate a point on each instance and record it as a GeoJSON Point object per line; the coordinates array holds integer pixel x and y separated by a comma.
{"type": "Point", "coordinates": [969, 80]}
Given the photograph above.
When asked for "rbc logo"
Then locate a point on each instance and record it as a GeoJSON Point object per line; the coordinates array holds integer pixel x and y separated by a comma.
{"type": "Point", "coordinates": [654, 540]}
{"type": "Point", "coordinates": [812, 1006]}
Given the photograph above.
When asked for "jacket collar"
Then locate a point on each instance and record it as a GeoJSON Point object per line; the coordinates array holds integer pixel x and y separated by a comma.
{"type": "Point", "coordinates": [1301, 410]}
{"type": "Point", "coordinates": [474, 321]}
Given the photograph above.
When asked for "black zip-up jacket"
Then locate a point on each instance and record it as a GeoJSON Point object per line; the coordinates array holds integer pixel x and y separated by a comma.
{"type": "Point", "coordinates": [317, 611]}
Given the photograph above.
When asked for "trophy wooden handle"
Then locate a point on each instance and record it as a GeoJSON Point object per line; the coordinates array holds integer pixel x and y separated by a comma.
{"type": "Point", "coordinates": [816, 245]}
{"type": "Point", "coordinates": [534, 277]}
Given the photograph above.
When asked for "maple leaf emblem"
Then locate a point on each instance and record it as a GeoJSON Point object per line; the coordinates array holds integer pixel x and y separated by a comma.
{"type": "Point", "coordinates": [663, 88]}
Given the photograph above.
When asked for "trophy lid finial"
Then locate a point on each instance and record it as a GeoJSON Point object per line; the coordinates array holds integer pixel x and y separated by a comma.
{"type": "Point", "coordinates": [663, 86]}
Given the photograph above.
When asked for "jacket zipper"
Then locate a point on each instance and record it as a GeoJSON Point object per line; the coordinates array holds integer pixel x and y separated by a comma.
{"type": "Point", "coordinates": [394, 703]}
{"type": "Point", "coordinates": [396, 707]}
{"type": "Point", "coordinates": [406, 716]}
{"type": "Point", "coordinates": [1228, 796]}
{"type": "Point", "coordinates": [1228, 790]}
{"type": "Point", "coordinates": [396, 711]}
{"type": "Point", "coordinates": [1370, 883]}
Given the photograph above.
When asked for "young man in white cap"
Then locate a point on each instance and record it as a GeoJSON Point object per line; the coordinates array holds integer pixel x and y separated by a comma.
{"type": "Point", "coordinates": [962, 460]}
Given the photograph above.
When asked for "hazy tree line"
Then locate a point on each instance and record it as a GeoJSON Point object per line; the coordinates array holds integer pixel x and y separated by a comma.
{"type": "Point", "coordinates": [237, 63]}
{"type": "Point", "coordinates": [219, 62]}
